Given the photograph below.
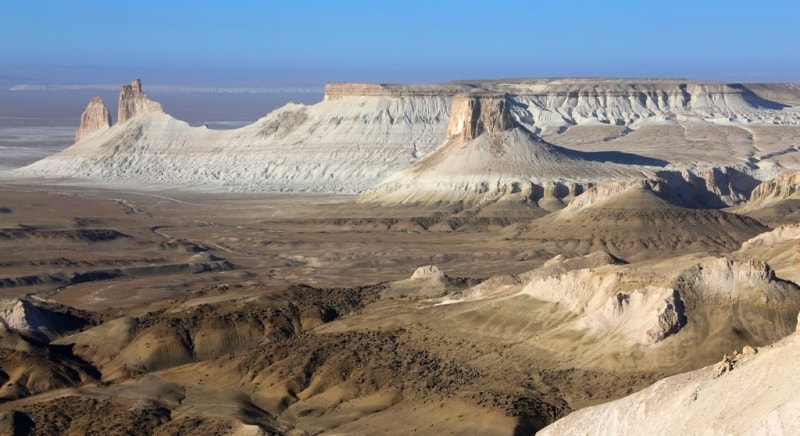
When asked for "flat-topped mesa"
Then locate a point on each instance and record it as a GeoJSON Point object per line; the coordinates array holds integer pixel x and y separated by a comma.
{"type": "Point", "coordinates": [132, 102]}
{"type": "Point", "coordinates": [95, 117]}
{"type": "Point", "coordinates": [474, 114]}
{"type": "Point", "coordinates": [338, 90]}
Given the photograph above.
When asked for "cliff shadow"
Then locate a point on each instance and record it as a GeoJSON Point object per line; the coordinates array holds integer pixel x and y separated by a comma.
{"type": "Point", "coordinates": [610, 156]}
{"type": "Point", "coordinates": [755, 100]}
{"type": "Point", "coordinates": [619, 157]}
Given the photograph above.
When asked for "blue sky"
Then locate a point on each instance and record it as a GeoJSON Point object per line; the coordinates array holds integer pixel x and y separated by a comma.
{"type": "Point", "coordinates": [400, 41]}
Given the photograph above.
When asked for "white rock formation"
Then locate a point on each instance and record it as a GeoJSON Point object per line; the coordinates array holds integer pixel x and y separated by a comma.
{"type": "Point", "coordinates": [428, 272]}
{"type": "Point", "coordinates": [757, 396]}
{"type": "Point", "coordinates": [30, 320]}
{"type": "Point", "coordinates": [491, 149]}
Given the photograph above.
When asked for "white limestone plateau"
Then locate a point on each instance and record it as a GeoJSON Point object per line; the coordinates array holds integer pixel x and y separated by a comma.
{"type": "Point", "coordinates": [707, 144]}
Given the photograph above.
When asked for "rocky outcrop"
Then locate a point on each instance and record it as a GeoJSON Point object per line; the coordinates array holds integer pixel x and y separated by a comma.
{"type": "Point", "coordinates": [132, 102]}
{"type": "Point", "coordinates": [95, 117]}
{"type": "Point", "coordinates": [516, 140]}
{"type": "Point", "coordinates": [705, 188]}
{"type": "Point", "coordinates": [428, 272]}
{"type": "Point", "coordinates": [779, 235]}
{"type": "Point", "coordinates": [779, 188]}
{"type": "Point", "coordinates": [733, 279]}
{"type": "Point", "coordinates": [567, 102]}
{"type": "Point", "coordinates": [671, 317]}
{"type": "Point", "coordinates": [38, 322]}
{"type": "Point", "coordinates": [475, 114]}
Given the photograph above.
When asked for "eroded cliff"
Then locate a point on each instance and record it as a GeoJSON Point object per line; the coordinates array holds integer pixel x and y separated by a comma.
{"type": "Point", "coordinates": [479, 141]}
{"type": "Point", "coordinates": [477, 113]}
{"type": "Point", "coordinates": [133, 101]}
{"type": "Point", "coordinates": [95, 117]}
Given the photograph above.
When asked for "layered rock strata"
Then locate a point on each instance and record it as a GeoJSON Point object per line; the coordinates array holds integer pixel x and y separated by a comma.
{"type": "Point", "coordinates": [95, 117]}
{"type": "Point", "coordinates": [473, 115]}
{"type": "Point", "coordinates": [339, 90]}
{"type": "Point", "coordinates": [707, 144]}
{"type": "Point", "coordinates": [133, 101]}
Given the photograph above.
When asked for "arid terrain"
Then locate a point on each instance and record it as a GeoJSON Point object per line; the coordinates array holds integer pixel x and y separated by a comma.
{"type": "Point", "coordinates": [467, 258]}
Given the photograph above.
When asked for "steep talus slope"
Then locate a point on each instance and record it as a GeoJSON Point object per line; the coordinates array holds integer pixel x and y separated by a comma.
{"type": "Point", "coordinates": [508, 165]}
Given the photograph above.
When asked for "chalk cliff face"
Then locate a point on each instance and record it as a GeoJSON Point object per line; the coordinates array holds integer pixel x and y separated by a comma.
{"type": "Point", "coordinates": [711, 143]}
{"type": "Point", "coordinates": [132, 102]}
{"type": "Point", "coordinates": [95, 117]}
{"type": "Point", "coordinates": [473, 115]}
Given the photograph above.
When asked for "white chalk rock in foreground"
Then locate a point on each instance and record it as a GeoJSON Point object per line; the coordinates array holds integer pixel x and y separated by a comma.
{"type": "Point", "coordinates": [95, 117]}
{"type": "Point", "coordinates": [758, 395]}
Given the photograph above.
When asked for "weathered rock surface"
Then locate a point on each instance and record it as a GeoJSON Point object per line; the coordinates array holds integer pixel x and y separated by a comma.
{"type": "Point", "coordinates": [782, 187]}
{"type": "Point", "coordinates": [475, 114]}
{"type": "Point", "coordinates": [711, 143]}
{"type": "Point", "coordinates": [95, 117]}
{"type": "Point", "coordinates": [620, 305]}
{"type": "Point", "coordinates": [671, 317]}
{"type": "Point", "coordinates": [40, 323]}
{"type": "Point", "coordinates": [133, 101]}
{"type": "Point", "coordinates": [428, 272]}
{"type": "Point", "coordinates": [757, 396]}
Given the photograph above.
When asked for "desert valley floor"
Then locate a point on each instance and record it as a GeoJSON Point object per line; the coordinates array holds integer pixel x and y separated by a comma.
{"type": "Point", "coordinates": [469, 258]}
{"type": "Point", "coordinates": [176, 312]}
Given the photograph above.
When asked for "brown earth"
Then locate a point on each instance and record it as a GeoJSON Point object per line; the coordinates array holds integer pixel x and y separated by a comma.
{"type": "Point", "coordinates": [253, 314]}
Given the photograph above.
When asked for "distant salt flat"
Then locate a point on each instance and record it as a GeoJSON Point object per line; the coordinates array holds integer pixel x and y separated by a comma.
{"type": "Point", "coordinates": [170, 89]}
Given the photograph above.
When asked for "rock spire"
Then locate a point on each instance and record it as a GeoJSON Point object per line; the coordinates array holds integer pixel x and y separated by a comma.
{"type": "Point", "coordinates": [132, 102]}
{"type": "Point", "coordinates": [94, 117]}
